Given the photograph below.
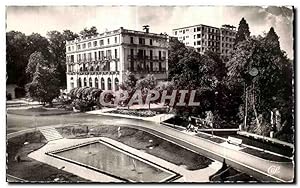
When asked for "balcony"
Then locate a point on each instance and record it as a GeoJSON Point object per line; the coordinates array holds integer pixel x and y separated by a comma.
{"type": "Point", "coordinates": [150, 58]}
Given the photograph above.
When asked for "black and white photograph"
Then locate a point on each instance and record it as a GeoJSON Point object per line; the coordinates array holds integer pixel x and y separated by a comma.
{"type": "Point", "coordinates": [150, 94]}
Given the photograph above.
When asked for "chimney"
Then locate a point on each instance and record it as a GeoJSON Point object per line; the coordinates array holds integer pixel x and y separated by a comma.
{"type": "Point", "coordinates": [146, 28]}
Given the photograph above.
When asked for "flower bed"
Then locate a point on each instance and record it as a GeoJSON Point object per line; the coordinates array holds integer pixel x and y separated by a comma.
{"type": "Point", "coordinates": [139, 113]}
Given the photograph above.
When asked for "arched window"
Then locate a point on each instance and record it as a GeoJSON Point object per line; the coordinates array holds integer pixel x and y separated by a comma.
{"type": "Point", "coordinates": [96, 83]}
{"type": "Point", "coordinates": [109, 84]}
{"type": "Point", "coordinates": [116, 84]}
{"type": "Point", "coordinates": [79, 82]}
{"type": "Point", "coordinates": [90, 82]}
{"type": "Point", "coordinates": [92, 68]}
{"type": "Point", "coordinates": [97, 68]}
{"type": "Point", "coordinates": [102, 84]}
{"type": "Point", "coordinates": [84, 82]}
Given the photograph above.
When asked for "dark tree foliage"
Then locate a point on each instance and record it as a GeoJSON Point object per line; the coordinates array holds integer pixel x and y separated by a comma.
{"type": "Point", "coordinates": [16, 57]}
{"type": "Point", "coordinates": [19, 47]}
{"type": "Point", "coordinates": [272, 87]}
{"type": "Point", "coordinates": [243, 31]}
{"type": "Point", "coordinates": [57, 46]}
{"type": "Point", "coordinates": [44, 84]}
{"type": "Point", "coordinates": [88, 32]}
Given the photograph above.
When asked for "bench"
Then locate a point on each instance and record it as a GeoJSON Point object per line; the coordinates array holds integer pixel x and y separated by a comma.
{"type": "Point", "coordinates": [235, 141]}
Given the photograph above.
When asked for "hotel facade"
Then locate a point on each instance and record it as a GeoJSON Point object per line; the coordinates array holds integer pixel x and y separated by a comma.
{"type": "Point", "coordinates": [101, 61]}
{"type": "Point", "coordinates": [204, 37]}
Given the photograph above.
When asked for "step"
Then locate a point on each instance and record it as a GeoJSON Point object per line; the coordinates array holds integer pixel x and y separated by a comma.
{"type": "Point", "coordinates": [50, 133]}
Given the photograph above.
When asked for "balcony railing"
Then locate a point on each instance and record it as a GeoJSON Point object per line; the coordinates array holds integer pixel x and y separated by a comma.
{"type": "Point", "coordinates": [154, 58]}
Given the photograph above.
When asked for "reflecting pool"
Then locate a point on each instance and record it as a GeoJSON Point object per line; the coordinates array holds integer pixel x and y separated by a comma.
{"type": "Point", "coordinates": [108, 159]}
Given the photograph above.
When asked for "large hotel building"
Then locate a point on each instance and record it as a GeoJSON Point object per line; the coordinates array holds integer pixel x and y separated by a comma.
{"type": "Point", "coordinates": [203, 37]}
{"type": "Point", "coordinates": [101, 61]}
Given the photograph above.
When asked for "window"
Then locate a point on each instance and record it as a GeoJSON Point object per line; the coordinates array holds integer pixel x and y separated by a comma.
{"type": "Point", "coordinates": [83, 46]}
{"type": "Point", "coordinates": [107, 66]}
{"type": "Point", "coordinates": [108, 54]}
{"type": "Point", "coordinates": [109, 84]}
{"type": "Point", "coordinates": [102, 84]}
{"type": "Point", "coordinates": [89, 56]}
{"type": "Point", "coordinates": [175, 32]}
{"type": "Point", "coordinates": [78, 47]}
{"type": "Point", "coordinates": [194, 29]}
{"type": "Point", "coordinates": [69, 48]}
{"type": "Point", "coordinates": [131, 52]}
{"type": "Point", "coordinates": [198, 36]}
{"type": "Point", "coordinates": [198, 28]}
{"type": "Point", "coordinates": [95, 55]}
{"type": "Point", "coordinates": [116, 40]}
{"type": "Point", "coordinates": [198, 43]}
{"type": "Point", "coordinates": [151, 54]}
{"type": "Point", "coordinates": [79, 82]}
{"type": "Point", "coordinates": [159, 55]}
{"type": "Point", "coordinates": [90, 82]}
{"type": "Point", "coordinates": [116, 53]}
{"type": "Point", "coordinates": [151, 42]}
{"type": "Point", "coordinates": [84, 82]}
{"type": "Point", "coordinates": [141, 41]}
{"type": "Point", "coordinates": [183, 31]}
{"type": "Point", "coordinates": [89, 44]}
{"type": "Point", "coordinates": [101, 42]}
{"type": "Point", "coordinates": [108, 41]}
{"type": "Point", "coordinates": [131, 40]}
{"type": "Point", "coordinates": [96, 83]}
{"type": "Point", "coordinates": [116, 84]}
{"type": "Point", "coordinates": [95, 43]}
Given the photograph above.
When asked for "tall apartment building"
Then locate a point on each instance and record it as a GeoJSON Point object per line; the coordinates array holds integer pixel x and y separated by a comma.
{"type": "Point", "coordinates": [203, 37]}
{"type": "Point", "coordinates": [101, 61]}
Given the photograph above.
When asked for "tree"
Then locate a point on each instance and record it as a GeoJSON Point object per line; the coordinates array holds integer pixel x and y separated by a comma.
{"type": "Point", "coordinates": [85, 98]}
{"type": "Point", "coordinates": [270, 88]}
{"type": "Point", "coordinates": [57, 46]}
{"type": "Point", "coordinates": [44, 85]}
{"type": "Point", "coordinates": [145, 85]}
{"type": "Point", "coordinates": [35, 59]}
{"type": "Point", "coordinates": [177, 51]}
{"type": "Point", "coordinates": [196, 72]}
{"type": "Point", "coordinates": [16, 57]}
{"type": "Point", "coordinates": [129, 85]}
{"type": "Point", "coordinates": [36, 42]}
{"type": "Point", "coordinates": [88, 32]}
{"type": "Point", "coordinates": [69, 35]}
{"type": "Point", "coordinates": [243, 32]}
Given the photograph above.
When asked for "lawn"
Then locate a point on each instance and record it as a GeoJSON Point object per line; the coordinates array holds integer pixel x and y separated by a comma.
{"type": "Point", "coordinates": [265, 155]}
{"type": "Point", "coordinates": [141, 140]}
{"type": "Point", "coordinates": [39, 111]}
{"type": "Point", "coordinates": [30, 169]}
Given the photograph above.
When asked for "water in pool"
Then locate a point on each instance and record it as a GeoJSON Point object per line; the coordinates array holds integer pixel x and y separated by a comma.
{"type": "Point", "coordinates": [112, 161]}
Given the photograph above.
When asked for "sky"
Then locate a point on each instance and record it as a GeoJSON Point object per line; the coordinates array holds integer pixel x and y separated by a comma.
{"type": "Point", "coordinates": [40, 19]}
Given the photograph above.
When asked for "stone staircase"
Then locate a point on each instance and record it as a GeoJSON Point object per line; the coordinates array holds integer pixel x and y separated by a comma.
{"type": "Point", "coordinates": [50, 133]}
